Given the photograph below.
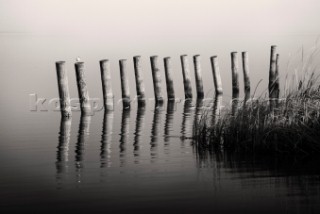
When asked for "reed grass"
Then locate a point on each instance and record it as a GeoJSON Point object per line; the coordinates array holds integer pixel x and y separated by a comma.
{"type": "Point", "coordinates": [291, 127]}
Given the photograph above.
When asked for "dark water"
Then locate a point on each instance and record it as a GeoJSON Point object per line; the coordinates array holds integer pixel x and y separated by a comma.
{"type": "Point", "coordinates": [140, 161]}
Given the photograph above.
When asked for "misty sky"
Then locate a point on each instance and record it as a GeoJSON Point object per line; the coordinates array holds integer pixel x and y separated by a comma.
{"type": "Point", "coordinates": [160, 18]}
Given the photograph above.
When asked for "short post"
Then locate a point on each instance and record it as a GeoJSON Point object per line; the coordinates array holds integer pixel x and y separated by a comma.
{"type": "Point", "coordinates": [235, 75]}
{"type": "Point", "coordinates": [246, 78]}
{"type": "Point", "coordinates": [198, 76]}
{"type": "Point", "coordinates": [216, 75]}
{"type": "Point", "coordinates": [63, 88]}
{"type": "Point", "coordinates": [186, 77]}
{"type": "Point", "coordinates": [82, 89]}
{"type": "Point", "coordinates": [169, 80]}
{"type": "Point", "coordinates": [124, 83]}
{"type": "Point", "coordinates": [106, 84]}
{"type": "Point", "coordinates": [139, 79]}
{"type": "Point", "coordinates": [156, 79]}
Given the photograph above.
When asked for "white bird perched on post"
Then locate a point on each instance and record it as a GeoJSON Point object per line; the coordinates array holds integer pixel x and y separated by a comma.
{"type": "Point", "coordinates": [78, 59]}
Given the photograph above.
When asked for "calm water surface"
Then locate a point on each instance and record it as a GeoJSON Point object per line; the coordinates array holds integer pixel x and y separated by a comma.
{"type": "Point", "coordinates": [142, 160]}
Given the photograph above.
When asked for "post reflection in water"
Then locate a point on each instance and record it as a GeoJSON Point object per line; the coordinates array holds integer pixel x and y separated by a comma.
{"type": "Point", "coordinates": [155, 129]}
{"type": "Point", "coordinates": [199, 111]}
{"type": "Point", "coordinates": [106, 139]}
{"type": "Point", "coordinates": [83, 136]}
{"type": "Point", "coordinates": [235, 104]}
{"type": "Point", "coordinates": [187, 120]}
{"type": "Point", "coordinates": [138, 131]}
{"type": "Point", "coordinates": [63, 147]}
{"type": "Point", "coordinates": [124, 134]}
{"type": "Point", "coordinates": [168, 126]}
{"type": "Point", "coordinates": [216, 109]}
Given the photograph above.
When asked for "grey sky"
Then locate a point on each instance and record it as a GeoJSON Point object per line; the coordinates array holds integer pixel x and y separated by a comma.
{"type": "Point", "coordinates": [174, 18]}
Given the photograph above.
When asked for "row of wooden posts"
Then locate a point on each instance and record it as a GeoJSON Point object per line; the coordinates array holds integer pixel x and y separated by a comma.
{"type": "Point", "coordinates": [107, 88]}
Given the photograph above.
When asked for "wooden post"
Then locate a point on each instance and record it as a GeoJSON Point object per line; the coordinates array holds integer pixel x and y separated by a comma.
{"type": "Point", "coordinates": [186, 77]}
{"type": "Point", "coordinates": [106, 84]}
{"type": "Point", "coordinates": [235, 75]}
{"type": "Point", "coordinates": [198, 76]}
{"type": "Point", "coordinates": [277, 84]}
{"type": "Point", "coordinates": [216, 75]}
{"type": "Point", "coordinates": [82, 89]}
{"type": "Point", "coordinates": [246, 78]}
{"type": "Point", "coordinates": [139, 80]}
{"type": "Point", "coordinates": [124, 83]}
{"type": "Point", "coordinates": [169, 80]}
{"type": "Point", "coordinates": [63, 88]}
{"type": "Point", "coordinates": [156, 79]}
{"type": "Point", "coordinates": [272, 72]}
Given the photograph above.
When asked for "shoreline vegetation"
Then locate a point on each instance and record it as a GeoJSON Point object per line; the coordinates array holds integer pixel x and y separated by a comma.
{"type": "Point", "coordinates": [289, 125]}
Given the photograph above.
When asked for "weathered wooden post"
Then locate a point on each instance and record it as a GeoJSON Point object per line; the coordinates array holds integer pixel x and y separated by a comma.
{"type": "Point", "coordinates": [186, 77]}
{"type": "Point", "coordinates": [272, 77]}
{"type": "Point", "coordinates": [246, 78]}
{"type": "Point", "coordinates": [272, 72]}
{"type": "Point", "coordinates": [82, 89]}
{"type": "Point", "coordinates": [198, 76]}
{"type": "Point", "coordinates": [235, 74]}
{"type": "Point", "coordinates": [216, 75]}
{"type": "Point", "coordinates": [156, 79]}
{"type": "Point", "coordinates": [124, 83]}
{"type": "Point", "coordinates": [63, 88]}
{"type": "Point", "coordinates": [139, 80]}
{"type": "Point", "coordinates": [169, 79]}
{"type": "Point", "coordinates": [277, 84]}
{"type": "Point", "coordinates": [106, 84]}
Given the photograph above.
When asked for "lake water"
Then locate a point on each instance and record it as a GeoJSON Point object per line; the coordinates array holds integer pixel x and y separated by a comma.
{"type": "Point", "coordinates": [137, 160]}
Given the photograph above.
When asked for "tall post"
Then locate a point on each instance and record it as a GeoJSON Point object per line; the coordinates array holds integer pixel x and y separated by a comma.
{"type": "Point", "coordinates": [245, 68]}
{"type": "Point", "coordinates": [186, 77]}
{"type": "Point", "coordinates": [124, 83]}
{"type": "Point", "coordinates": [63, 88]}
{"type": "Point", "coordinates": [198, 76]}
{"type": "Point", "coordinates": [156, 79]}
{"type": "Point", "coordinates": [235, 74]}
{"type": "Point", "coordinates": [272, 72]}
{"type": "Point", "coordinates": [82, 89]}
{"type": "Point", "coordinates": [139, 80]}
{"type": "Point", "coordinates": [216, 75]}
{"type": "Point", "coordinates": [106, 84]}
{"type": "Point", "coordinates": [277, 84]}
{"type": "Point", "coordinates": [169, 80]}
